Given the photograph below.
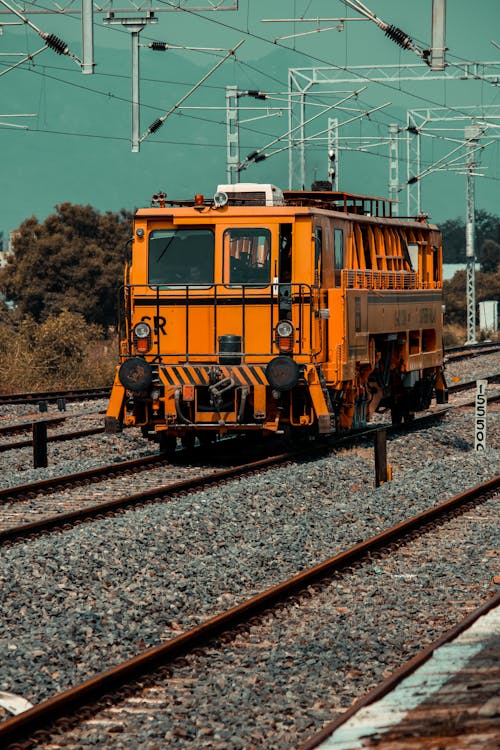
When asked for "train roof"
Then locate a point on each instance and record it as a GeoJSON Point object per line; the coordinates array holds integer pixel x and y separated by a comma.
{"type": "Point", "coordinates": [255, 195]}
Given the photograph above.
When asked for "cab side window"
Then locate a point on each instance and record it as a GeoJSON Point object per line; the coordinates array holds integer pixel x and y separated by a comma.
{"type": "Point", "coordinates": [338, 244]}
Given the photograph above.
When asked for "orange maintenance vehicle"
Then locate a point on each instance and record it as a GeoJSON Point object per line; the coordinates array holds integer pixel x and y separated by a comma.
{"type": "Point", "coordinates": [299, 312]}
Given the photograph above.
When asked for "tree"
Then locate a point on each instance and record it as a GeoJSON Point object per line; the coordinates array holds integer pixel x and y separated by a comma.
{"type": "Point", "coordinates": [455, 297]}
{"type": "Point", "coordinates": [490, 257]}
{"type": "Point", "coordinates": [487, 229]}
{"type": "Point", "coordinates": [73, 261]}
{"type": "Point", "coordinates": [453, 241]}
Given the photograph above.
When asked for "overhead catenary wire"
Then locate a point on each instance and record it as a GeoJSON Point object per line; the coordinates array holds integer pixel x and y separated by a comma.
{"type": "Point", "coordinates": [159, 122]}
{"type": "Point", "coordinates": [397, 35]}
{"type": "Point", "coordinates": [51, 40]}
{"type": "Point", "coordinates": [218, 22]}
{"type": "Point", "coordinates": [257, 155]}
{"type": "Point", "coordinates": [440, 163]}
{"type": "Point", "coordinates": [260, 156]}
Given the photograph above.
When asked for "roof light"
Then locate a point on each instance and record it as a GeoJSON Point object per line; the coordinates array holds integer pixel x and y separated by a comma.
{"type": "Point", "coordinates": [199, 199]}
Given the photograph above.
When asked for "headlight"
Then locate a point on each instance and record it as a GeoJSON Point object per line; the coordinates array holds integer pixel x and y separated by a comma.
{"type": "Point", "coordinates": [142, 330]}
{"type": "Point", "coordinates": [284, 328]}
{"type": "Point", "coordinates": [142, 337]}
{"type": "Point", "coordinates": [284, 336]}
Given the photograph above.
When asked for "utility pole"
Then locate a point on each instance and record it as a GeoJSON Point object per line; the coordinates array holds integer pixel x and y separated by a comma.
{"type": "Point", "coordinates": [232, 134]}
{"type": "Point", "coordinates": [471, 137]}
{"type": "Point", "coordinates": [394, 167]}
{"type": "Point", "coordinates": [333, 152]}
{"type": "Point", "coordinates": [88, 36]}
{"type": "Point", "coordinates": [135, 25]}
{"type": "Point", "coordinates": [437, 60]}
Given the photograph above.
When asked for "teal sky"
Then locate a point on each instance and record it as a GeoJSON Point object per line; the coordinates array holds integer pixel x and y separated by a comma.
{"type": "Point", "coordinates": [77, 147]}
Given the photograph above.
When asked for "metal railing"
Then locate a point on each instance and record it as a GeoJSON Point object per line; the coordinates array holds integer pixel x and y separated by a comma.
{"type": "Point", "coordinates": [271, 303]}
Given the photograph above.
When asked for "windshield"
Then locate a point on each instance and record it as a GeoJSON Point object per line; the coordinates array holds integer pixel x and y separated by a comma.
{"type": "Point", "coordinates": [181, 256]}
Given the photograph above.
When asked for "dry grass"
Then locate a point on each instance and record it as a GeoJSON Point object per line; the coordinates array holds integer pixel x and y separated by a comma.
{"type": "Point", "coordinates": [454, 335]}
{"type": "Point", "coordinates": [62, 352]}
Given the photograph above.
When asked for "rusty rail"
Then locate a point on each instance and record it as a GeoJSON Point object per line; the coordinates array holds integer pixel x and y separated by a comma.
{"type": "Point", "coordinates": [40, 716]}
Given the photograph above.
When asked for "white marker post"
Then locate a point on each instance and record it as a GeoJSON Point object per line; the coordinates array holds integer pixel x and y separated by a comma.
{"type": "Point", "coordinates": [481, 412]}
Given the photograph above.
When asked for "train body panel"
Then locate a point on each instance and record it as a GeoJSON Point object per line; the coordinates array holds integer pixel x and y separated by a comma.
{"type": "Point", "coordinates": [307, 315]}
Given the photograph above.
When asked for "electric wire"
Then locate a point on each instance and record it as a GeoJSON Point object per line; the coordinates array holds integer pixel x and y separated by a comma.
{"type": "Point", "coordinates": [286, 47]}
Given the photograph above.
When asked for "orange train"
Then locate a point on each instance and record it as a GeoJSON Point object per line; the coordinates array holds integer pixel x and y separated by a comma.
{"type": "Point", "coordinates": [296, 312]}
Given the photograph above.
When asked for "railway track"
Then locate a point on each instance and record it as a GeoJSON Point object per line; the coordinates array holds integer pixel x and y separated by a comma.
{"type": "Point", "coordinates": [452, 354]}
{"type": "Point", "coordinates": [56, 438]}
{"type": "Point", "coordinates": [64, 518]}
{"type": "Point", "coordinates": [469, 351]}
{"type": "Point", "coordinates": [35, 519]}
{"type": "Point", "coordinates": [52, 397]}
{"type": "Point", "coordinates": [110, 697]}
{"type": "Point", "coordinates": [75, 434]}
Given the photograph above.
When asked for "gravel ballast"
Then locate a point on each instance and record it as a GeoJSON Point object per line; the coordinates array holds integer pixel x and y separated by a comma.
{"type": "Point", "coordinates": [77, 602]}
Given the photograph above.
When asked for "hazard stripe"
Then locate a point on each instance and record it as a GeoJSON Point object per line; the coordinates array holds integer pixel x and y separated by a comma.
{"type": "Point", "coordinates": [181, 375]}
{"type": "Point", "coordinates": [199, 375]}
{"type": "Point", "coordinates": [202, 375]}
{"type": "Point", "coordinates": [258, 372]}
{"type": "Point", "coordinates": [168, 376]}
{"type": "Point", "coordinates": [244, 376]}
{"type": "Point", "coordinates": [191, 375]}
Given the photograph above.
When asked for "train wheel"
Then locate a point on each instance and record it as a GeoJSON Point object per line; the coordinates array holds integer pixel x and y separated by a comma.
{"type": "Point", "coordinates": [187, 441]}
{"type": "Point", "coordinates": [168, 445]}
{"type": "Point", "coordinates": [206, 438]}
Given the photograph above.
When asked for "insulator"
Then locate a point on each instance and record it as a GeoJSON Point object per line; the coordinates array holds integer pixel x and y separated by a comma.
{"type": "Point", "coordinates": [252, 156]}
{"type": "Point", "coordinates": [56, 44]}
{"type": "Point", "coordinates": [159, 46]}
{"type": "Point", "coordinates": [412, 180]}
{"type": "Point", "coordinates": [398, 35]}
{"type": "Point", "coordinates": [156, 125]}
{"type": "Point", "coordinates": [260, 157]}
{"type": "Point", "coordinates": [256, 94]}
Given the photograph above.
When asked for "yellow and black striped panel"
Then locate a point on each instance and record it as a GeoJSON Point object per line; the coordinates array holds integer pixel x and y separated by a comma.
{"type": "Point", "coordinates": [209, 374]}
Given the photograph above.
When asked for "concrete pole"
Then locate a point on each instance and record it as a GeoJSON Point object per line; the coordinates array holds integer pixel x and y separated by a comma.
{"type": "Point", "coordinates": [438, 49]}
{"type": "Point", "coordinates": [87, 37]}
{"type": "Point", "coordinates": [134, 37]}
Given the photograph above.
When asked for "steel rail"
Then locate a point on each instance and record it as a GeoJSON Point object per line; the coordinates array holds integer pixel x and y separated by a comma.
{"type": "Point", "coordinates": [159, 493]}
{"type": "Point", "coordinates": [15, 429]}
{"type": "Point", "coordinates": [89, 475]}
{"type": "Point", "coordinates": [469, 384]}
{"type": "Point", "coordinates": [72, 394]}
{"type": "Point", "coordinates": [455, 388]}
{"type": "Point", "coordinates": [458, 353]}
{"type": "Point", "coordinates": [40, 716]}
{"type": "Point", "coordinates": [57, 438]}
{"type": "Point", "coordinates": [391, 682]}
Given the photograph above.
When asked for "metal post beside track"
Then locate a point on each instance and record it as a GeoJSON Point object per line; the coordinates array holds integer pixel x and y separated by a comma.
{"type": "Point", "coordinates": [39, 445]}
{"type": "Point", "coordinates": [381, 473]}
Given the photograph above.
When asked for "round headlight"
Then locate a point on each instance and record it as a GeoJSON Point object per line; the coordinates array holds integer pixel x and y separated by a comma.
{"type": "Point", "coordinates": [284, 328]}
{"type": "Point", "coordinates": [142, 330]}
{"type": "Point", "coordinates": [282, 373]}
